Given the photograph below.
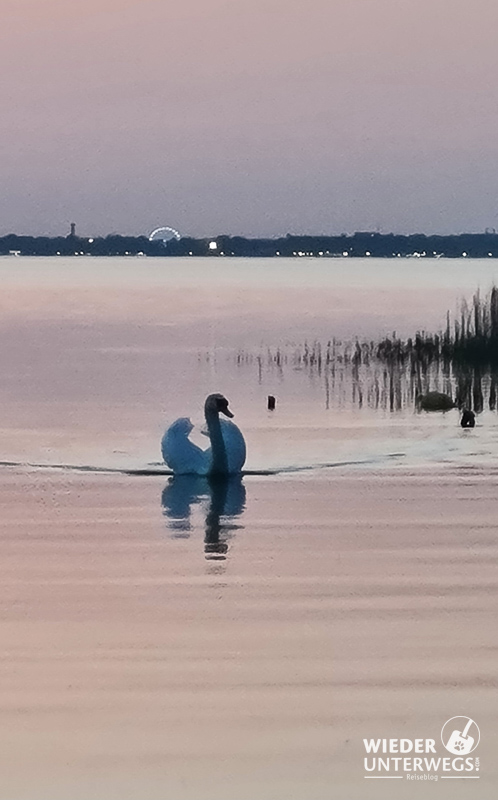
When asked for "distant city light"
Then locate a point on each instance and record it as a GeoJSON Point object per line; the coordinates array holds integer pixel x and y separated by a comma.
{"type": "Point", "coordinates": [213, 245]}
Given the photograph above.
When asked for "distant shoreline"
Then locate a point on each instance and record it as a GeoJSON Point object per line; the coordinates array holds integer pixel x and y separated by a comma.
{"type": "Point", "coordinates": [358, 245]}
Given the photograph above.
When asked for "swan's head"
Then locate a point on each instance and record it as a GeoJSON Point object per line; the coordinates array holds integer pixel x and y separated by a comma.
{"type": "Point", "coordinates": [181, 427]}
{"type": "Point", "coordinates": [217, 403]}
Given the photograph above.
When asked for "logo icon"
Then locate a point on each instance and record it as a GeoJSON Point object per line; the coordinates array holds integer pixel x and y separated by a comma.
{"type": "Point", "coordinates": [460, 735]}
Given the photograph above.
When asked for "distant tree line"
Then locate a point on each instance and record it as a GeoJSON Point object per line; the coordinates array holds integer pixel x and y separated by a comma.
{"type": "Point", "coordinates": [358, 245]}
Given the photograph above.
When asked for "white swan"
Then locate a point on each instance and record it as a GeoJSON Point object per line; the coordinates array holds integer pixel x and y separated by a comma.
{"type": "Point", "coordinates": [227, 453]}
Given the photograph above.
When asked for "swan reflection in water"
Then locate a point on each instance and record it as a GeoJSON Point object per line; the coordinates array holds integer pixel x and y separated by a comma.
{"type": "Point", "coordinates": [226, 500]}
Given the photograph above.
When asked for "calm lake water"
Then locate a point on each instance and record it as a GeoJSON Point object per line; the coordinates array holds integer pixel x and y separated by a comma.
{"type": "Point", "coordinates": [99, 355]}
{"type": "Point", "coordinates": [231, 640]}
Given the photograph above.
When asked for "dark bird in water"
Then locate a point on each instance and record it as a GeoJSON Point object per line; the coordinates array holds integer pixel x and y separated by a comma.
{"type": "Point", "coordinates": [468, 419]}
{"type": "Point", "coordinates": [435, 401]}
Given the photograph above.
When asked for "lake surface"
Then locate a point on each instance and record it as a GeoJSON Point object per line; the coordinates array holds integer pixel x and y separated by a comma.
{"type": "Point", "coordinates": [99, 355]}
{"type": "Point", "coordinates": [179, 638]}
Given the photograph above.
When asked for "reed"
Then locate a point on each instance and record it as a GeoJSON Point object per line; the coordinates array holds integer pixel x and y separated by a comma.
{"type": "Point", "coordinates": [460, 360]}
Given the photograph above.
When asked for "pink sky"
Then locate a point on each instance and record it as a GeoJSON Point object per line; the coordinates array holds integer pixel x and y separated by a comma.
{"type": "Point", "coordinates": [256, 118]}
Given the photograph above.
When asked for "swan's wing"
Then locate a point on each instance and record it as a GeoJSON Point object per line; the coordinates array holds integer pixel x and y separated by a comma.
{"type": "Point", "coordinates": [180, 454]}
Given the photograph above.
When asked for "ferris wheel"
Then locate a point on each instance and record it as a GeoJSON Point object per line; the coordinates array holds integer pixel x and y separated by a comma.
{"type": "Point", "coordinates": [164, 235]}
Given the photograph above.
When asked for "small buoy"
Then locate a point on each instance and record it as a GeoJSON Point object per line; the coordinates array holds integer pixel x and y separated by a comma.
{"type": "Point", "coordinates": [468, 419]}
{"type": "Point", "coordinates": [271, 403]}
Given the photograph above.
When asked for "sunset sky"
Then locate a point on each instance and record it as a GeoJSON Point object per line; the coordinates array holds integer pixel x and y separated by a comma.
{"type": "Point", "coordinates": [252, 117]}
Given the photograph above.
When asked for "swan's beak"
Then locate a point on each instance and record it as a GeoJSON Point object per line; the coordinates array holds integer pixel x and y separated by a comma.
{"type": "Point", "coordinates": [222, 406]}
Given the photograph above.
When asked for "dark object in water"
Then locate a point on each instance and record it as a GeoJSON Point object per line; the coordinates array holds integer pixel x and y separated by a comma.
{"type": "Point", "coordinates": [271, 403]}
{"type": "Point", "coordinates": [435, 401]}
{"type": "Point", "coordinates": [468, 419]}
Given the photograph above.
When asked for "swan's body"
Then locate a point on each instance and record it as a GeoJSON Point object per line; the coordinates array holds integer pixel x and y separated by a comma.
{"type": "Point", "coordinates": [227, 453]}
{"type": "Point", "coordinates": [235, 446]}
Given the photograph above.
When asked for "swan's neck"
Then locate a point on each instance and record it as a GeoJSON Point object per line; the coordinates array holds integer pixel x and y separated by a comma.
{"type": "Point", "coordinates": [219, 461]}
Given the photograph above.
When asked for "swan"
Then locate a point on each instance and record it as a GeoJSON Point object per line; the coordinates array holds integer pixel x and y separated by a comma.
{"type": "Point", "coordinates": [227, 453]}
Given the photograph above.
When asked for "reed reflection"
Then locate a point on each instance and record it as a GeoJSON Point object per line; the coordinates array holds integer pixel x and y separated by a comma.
{"type": "Point", "coordinates": [223, 499]}
{"type": "Point", "coordinates": [460, 361]}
